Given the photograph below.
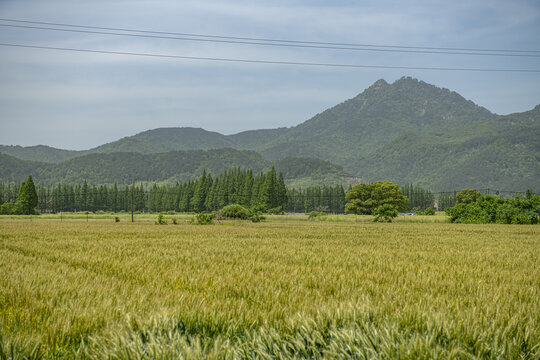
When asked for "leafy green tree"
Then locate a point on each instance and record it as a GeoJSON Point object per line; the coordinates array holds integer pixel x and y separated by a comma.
{"type": "Point", "coordinates": [384, 213]}
{"type": "Point", "coordinates": [488, 209]}
{"type": "Point", "coordinates": [467, 196]}
{"type": "Point", "coordinates": [364, 198]}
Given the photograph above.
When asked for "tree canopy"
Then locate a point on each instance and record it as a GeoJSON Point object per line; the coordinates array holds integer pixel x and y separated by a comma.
{"type": "Point", "coordinates": [474, 208]}
{"type": "Point", "coordinates": [364, 198]}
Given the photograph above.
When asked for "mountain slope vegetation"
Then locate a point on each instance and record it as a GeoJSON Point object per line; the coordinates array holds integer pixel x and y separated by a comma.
{"type": "Point", "coordinates": [127, 168]}
{"type": "Point", "coordinates": [167, 139]}
{"type": "Point", "coordinates": [500, 153]}
{"type": "Point", "coordinates": [407, 132]}
{"type": "Point", "coordinates": [41, 153]}
{"type": "Point", "coordinates": [374, 118]}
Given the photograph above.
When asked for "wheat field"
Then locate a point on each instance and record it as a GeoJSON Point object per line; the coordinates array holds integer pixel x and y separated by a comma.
{"type": "Point", "coordinates": [105, 290]}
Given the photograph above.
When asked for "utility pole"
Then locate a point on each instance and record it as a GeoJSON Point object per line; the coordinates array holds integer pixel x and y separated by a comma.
{"type": "Point", "coordinates": [131, 203]}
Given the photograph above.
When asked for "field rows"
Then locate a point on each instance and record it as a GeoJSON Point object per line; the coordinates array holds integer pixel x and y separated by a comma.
{"type": "Point", "coordinates": [275, 289]}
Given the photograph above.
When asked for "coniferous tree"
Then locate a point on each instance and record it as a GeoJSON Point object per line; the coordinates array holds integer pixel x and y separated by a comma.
{"type": "Point", "coordinates": [32, 194]}
{"type": "Point", "coordinates": [268, 192]}
{"type": "Point", "coordinates": [247, 188]}
{"type": "Point", "coordinates": [281, 191]}
{"type": "Point", "coordinates": [114, 197]}
{"type": "Point", "coordinates": [84, 196]}
{"type": "Point", "coordinates": [199, 194]}
{"type": "Point", "coordinates": [223, 197]}
{"type": "Point", "coordinates": [27, 199]}
{"type": "Point", "coordinates": [22, 199]}
{"type": "Point", "coordinates": [187, 194]}
{"type": "Point", "coordinates": [256, 189]}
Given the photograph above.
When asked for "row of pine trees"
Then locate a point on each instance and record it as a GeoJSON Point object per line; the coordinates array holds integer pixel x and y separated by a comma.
{"type": "Point", "coordinates": [207, 193]}
{"type": "Point", "coordinates": [419, 198]}
{"type": "Point", "coordinates": [266, 191]}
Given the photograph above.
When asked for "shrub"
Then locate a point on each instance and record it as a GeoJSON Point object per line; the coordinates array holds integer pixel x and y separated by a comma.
{"type": "Point", "coordinates": [203, 219]}
{"type": "Point", "coordinates": [429, 211]}
{"type": "Point", "coordinates": [7, 208]}
{"type": "Point", "coordinates": [384, 213]}
{"type": "Point", "coordinates": [316, 214]}
{"type": "Point", "coordinates": [10, 208]}
{"type": "Point", "coordinates": [255, 216]}
{"type": "Point", "coordinates": [276, 211]}
{"type": "Point", "coordinates": [174, 221]}
{"type": "Point", "coordinates": [262, 208]}
{"type": "Point", "coordinates": [116, 219]}
{"type": "Point", "coordinates": [234, 211]}
{"type": "Point", "coordinates": [161, 220]}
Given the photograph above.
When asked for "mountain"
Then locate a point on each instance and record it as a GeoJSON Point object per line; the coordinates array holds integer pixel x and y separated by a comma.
{"type": "Point", "coordinates": [39, 153]}
{"type": "Point", "coordinates": [374, 118]}
{"type": "Point", "coordinates": [254, 138]}
{"type": "Point", "coordinates": [167, 139]}
{"type": "Point", "coordinates": [148, 142]}
{"type": "Point", "coordinates": [355, 127]}
{"type": "Point", "coordinates": [500, 153]}
{"type": "Point", "coordinates": [128, 167]}
{"type": "Point", "coordinates": [407, 132]}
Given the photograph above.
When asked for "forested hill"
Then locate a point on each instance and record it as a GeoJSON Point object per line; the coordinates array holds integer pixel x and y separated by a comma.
{"type": "Point", "coordinates": [126, 168]}
{"type": "Point", "coordinates": [407, 132]}
{"type": "Point", "coordinates": [374, 118]}
{"type": "Point", "coordinates": [500, 153]}
{"type": "Point", "coordinates": [168, 139]}
{"type": "Point", "coordinates": [41, 153]}
{"type": "Point", "coordinates": [357, 126]}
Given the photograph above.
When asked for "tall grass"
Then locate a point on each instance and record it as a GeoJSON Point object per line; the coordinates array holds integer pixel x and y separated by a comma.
{"type": "Point", "coordinates": [271, 290]}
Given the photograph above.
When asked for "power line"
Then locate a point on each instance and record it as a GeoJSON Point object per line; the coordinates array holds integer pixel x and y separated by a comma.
{"type": "Point", "coordinates": [269, 40]}
{"type": "Point", "coordinates": [289, 45]}
{"type": "Point", "coordinates": [272, 62]}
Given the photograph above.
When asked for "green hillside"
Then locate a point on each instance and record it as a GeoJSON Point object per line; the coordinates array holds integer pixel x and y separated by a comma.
{"type": "Point", "coordinates": [39, 153]}
{"type": "Point", "coordinates": [304, 172]}
{"type": "Point", "coordinates": [374, 118]}
{"type": "Point", "coordinates": [126, 168]}
{"type": "Point", "coordinates": [501, 153]}
{"type": "Point", "coordinates": [407, 132]}
{"type": "Point", "coordinates": [254, 138]}
{"type": "Point", "coordinates": [167, 139]}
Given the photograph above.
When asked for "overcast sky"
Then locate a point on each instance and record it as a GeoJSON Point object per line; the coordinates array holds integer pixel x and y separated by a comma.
{"type": "Point", "coordinates": [78, 100]}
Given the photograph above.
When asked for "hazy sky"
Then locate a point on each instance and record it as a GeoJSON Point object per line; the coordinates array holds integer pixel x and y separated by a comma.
{"type": "Point", "coordinates": [80, 100]}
